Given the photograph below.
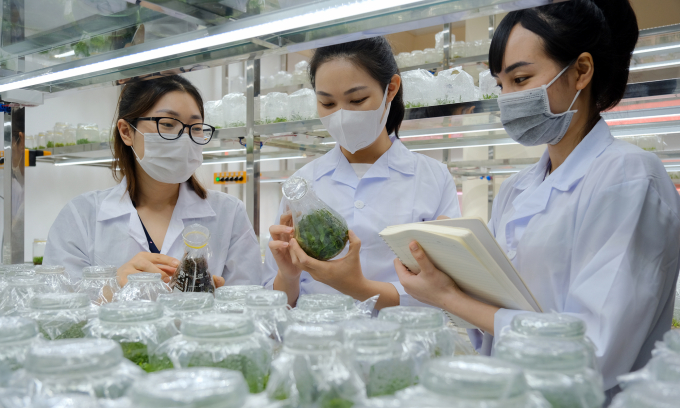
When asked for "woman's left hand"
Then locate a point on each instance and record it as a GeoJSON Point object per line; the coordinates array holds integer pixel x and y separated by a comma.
{"type": "Point", "coordinates": [218, 281]}
{"type": "Point", "coordinates": [430, 285]}
{"type": "Point", "coordinates": [342, 274]}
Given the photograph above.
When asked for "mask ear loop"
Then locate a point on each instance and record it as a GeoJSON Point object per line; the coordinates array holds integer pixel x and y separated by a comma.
{"type": "Point", "coordinates": [132, 147]}
{"type": "Point", "coordinates": [557, 77]}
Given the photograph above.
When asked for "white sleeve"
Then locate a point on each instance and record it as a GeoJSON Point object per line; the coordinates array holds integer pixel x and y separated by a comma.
{"type": "Point", "coordinates": [270, 268]}
{"type": "Point", "coordinates": [68, 242]}
{"type": "Point", "coordinates": [624, 264]}
{"type": "Point", "coordinates": [448, 205]}
{"type": "Point", "coordinates": [243, 265]}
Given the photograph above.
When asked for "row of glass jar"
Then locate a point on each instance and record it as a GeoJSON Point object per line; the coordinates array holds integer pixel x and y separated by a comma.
{"type": "Point", "coordinates": [422, 88]}
{"type": "Point", "coordinates": [459, 49]}
{"type": "Point", "coordinates": [300, 76]}
{"type": "Point", "coordinates": [65, 134]}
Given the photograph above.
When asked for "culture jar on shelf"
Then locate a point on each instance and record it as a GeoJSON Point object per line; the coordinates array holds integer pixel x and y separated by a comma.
{"type": "Point", "coordinates": [39, 251]}
{"type": "Point", "coordinates": [61, 315]}
{"type": "Point", "coordinates": [192, 274]}
{"type": "Point", "coordinates": [321, 232]}
{"type": "Point", "coordinates": [55, 278]}
{"type": "Point", "coordinates": [99, 283]}
{"type": "Point", "coordinates": [326, 308]}
{"type": "Point", "coordinates": [142, 286]}
{"type": "Point", "coordinates": [231, 299]}
{"type": "Point", "coordinates": [182, 306]}
{"type": "Point", "coordinates": [268, 309]}
{"type": "Point", "coordinates": [17, 336]}
{"type": "Point", "coordinates": [15, 298]}
{"type": "Point", "coordinates": [87, 133]}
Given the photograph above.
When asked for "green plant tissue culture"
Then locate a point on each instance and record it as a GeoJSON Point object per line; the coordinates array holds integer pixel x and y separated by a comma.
{"type": "Point", "coordinates": [82, 141]}
{"type": "Point", "coordinates": [321, 234]}
{"type": "Point", "coordinates": [73, 332]}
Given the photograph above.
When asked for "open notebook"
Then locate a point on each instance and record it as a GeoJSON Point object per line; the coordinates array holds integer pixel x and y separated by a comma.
{"type": "Point", "coordinates": [465, 249]}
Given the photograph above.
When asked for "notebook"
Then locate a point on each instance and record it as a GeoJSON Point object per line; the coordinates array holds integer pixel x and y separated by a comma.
{"type": "Point", "coordinates": [465, 249]}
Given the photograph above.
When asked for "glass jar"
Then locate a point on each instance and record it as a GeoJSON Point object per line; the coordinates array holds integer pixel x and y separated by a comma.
{"type": "Point", "coordinates": [58, 137]}
{"type": "Point", "coordinates": [3, 277]}
{"type": "Point", "coordinates": [671, 342]}
{"type": "Point", "coordinates": [142, 286]}
{"type": "Point", "coordinates": [325, 308]}
{"type": "Point", "coordinates": [192, 274]}
{"type": "Point", "coordinates": [68, 401]}
{"type": "Point", "coordinates": [274, 107]}
{"type": "Point", "coordinates": [552, 326]}
{"type": "Point", "coordinates": [138, 326]}
{"type": "Point", "coordinates": [190, 388]}
{"type": "Point", "coordinates": [30, 142]}
{"type": "Point", "coordinates": [60, 126]}
{"type": "Point", "coordinates": [556, 368]}
{"type": "Point", "coordinates": [17, 336]}
{"type": "Point", "coordinates": [99, 283]}
{"type": "Point", "coordinates": [39, 251]}
{"type": "Point", "coordinates": [376, 347]}
{"type": "Point", "coordinates": [648, 394]}
{"type": "Point", "coordinates": [268, 310]}
{"type": "Point", "coordinates": [94, 367]}
{"type": "Point", "coordinates": [14, 299]}
{"type": "Point", "coordinates": [41, 140]}
{"type": "Point", "coordinates": [234, 110]}
{"type": "Point", "coordinates": [321, 232]}
{"type": "Point", "coordinates": [182, 306]}
{"type": "Point", "coordinates": [87, 133]}
{"type": "Point", "coordinates": [303, 105]}
{"type": "Point", "coordinates": [55, 278]}
{"type": "Point", "coordinates": [61, 315]}
{"type": "Point", "coordinates": [314, 369]}
{"type": "Point", "coordinates": [425, 333]}
{"type": "Point", "coordinates": [218, 340]}
{"type": "Point", "coordinates": [70, 136]}
{"type": "Point", "coordinates": [472, 382]}
{"type": "Point", "coordinates": [231, 299]}
{"type": "Point", "coordinates": [49, 136]}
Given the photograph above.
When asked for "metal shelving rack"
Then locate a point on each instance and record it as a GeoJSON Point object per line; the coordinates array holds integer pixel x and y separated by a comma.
{"type": "Point", "coordinates": [436, 127]}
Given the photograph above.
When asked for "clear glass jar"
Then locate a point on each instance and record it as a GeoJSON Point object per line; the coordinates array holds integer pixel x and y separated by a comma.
{"type": "Point", "coordinates": [303, 105]}
{"type": "Point", "coordinates": [648, 394]}
{"type": "Point", "coordinates": [39, 251]}
{"type": "Point", "coordinates": [70, 136]}
{"type": "Point", "coordinates": [55, 278]}
{"type": "Point", "coordinates": [314, 369]}
{"type": "Point", "coordinates": [325, 308]}
{"type": "Point", "coordinates": [61, 315]}
{"type": "Point", "coordinates": [231, 299]}
{"type": "Point", "coordinates": [87, 133]}
{"type": "Point", "coordinates": [219, 340]}
{"type": "Point", "coordinates": [376, 347]}
{"type": "Point", "coordinates": [138, 326]}
{"type": "Point", "coordinates": [192, 274]}
{"type": "Point", "coordinates": [41, 140]}
{"type": "Point", "coordinates": [99, 283]}
{"type": "Point", "coordinates": [190, 388]}
{"type": "Point", "coordinates": [20, 289]}
{"type": "Point", "coordinates": [425, 333]}
{"type": "Point", "coordinates": [552, 326]}
{"type": "Point", "coordinates": [30, 142]}
{"type": "Point", "coordinates": [94, 367]}
{"type": "Point", "coordinates": [49, 136]}
{"type": "Point", "coordinates": [268, 310]}
{"type": "Point", "coordinates": [472, 382]}
{"type": "Point", "coordinates": [182, 306]}
{"type": "Point", "coordinates": [234, 110]}
{"type": "Point", "coordinates": [142, 286]}
{"type": "Point", "coordinates": [321, 232]}
{"type": "Point", "coordinates": [17, 336]}
{"type": "Point", "coordinates": [671, 341]}
{"type": "Point", "coordinates": [556, 368]}
{"type": "Point", "coordinates": [68, 401]}
{"type": "Point", "coordinates": [3, 277]}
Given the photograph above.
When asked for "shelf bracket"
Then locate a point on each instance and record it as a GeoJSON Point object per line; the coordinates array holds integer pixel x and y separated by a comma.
{"type": "Point", "coordinates": [252, 145]}
{"type": "Point", "coordinates": [13, 187]}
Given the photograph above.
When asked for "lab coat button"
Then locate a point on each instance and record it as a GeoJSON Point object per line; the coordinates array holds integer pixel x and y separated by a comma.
{"type": "Point", "coordinates": [512, 254]}
{"type": "Point", "coordinates": [359, 204]}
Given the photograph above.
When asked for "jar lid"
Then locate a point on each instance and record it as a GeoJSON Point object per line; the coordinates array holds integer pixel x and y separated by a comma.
{"type": "Point", "coordinates": [191, 388]}
{"type": "Point", "coordinates": [50, 269]}
{"type": "Point", "coordinates": [313, 337]}
{"type": "Point", "coordinates": [473, 378]}
{"type": "Point", "coordinates": [196, 236]}
{"type": "Point", "coordinates": [17, 329]}
{"type": "Point", "coordinates": [295, 188]}
{"type": "Point", "coordinates": [97, 272]}
{"type": "Point", "coordinates": [548, 325]}
{"type": "Point", "coordinates": [23, 280]}
{"type": "Point", "coordinates": [132, 311]}
{"type": "Point", "coordinates": [59, 301]}
{"type": "Point", "coordinates": [216, 326]}
{"type": "Point", "coordinates": [534, 353]}
{"type": "Point", "coordinates": [234, 293]}
{"type": "Point", "coordinates": [414, 317]}
{"type": "Point", "coordinates": [19, 271]}
{"type": "Point", "coordinates": [145, 277]}
{"type": "Point", "coordinates": [266, 298]}
{"type": "Point", "coordinates": [73, 355]}
{"type": "Point", "coordinates": [187, 302]}
{"type": "Point", "coordinates": [323, 301]}
{"type": "Point", "coordinates": [672, 340]}
{"type": "Point", "coordinates": [371, 332]}
{"type": "Point", "coordinates": [648, 394]}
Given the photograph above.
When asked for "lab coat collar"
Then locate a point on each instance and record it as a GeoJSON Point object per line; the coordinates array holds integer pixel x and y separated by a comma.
{"type": "Point", "coordinates": [116, 203]}
{"type": "Point", "coordinates": [397, 158]}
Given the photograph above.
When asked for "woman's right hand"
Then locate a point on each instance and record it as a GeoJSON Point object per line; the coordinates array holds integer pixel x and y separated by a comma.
{"type": "Point", "coordinates": [279, 245]}
{"type": "Point", "coordinates": [148, 262]}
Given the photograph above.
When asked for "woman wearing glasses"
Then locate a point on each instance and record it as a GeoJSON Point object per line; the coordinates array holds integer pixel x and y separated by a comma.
{"type": "Point", "coordinates": [137, 225]}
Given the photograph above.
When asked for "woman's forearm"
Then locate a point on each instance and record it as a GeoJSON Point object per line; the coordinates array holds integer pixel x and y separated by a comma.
{"type": "Point", "coordinates": [290, 286]}
{"type": "Point", "coordinates": [369, 288]}
{"type": "Point", "coordinates": [471, 310]}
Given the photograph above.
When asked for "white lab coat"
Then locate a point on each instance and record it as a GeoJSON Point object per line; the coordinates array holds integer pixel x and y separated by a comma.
{"type": "Point", "coordinates": [599, 239]}
{"type": "Point", "coordinates": [401, 187]}
{"type": "Point", "coordinates": [103, 228]}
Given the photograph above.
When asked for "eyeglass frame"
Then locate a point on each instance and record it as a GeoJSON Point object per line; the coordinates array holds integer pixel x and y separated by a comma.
{"type": "Point", "coordinates": [181, 132]}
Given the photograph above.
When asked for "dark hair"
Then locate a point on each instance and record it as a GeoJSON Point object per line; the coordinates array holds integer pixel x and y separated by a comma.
{"type": "Point", "coordinates": [607, 29]}
{"type": "Point", "coordinates": [375, 56]}
{"type": "Point", "coordinates": [135, 100]}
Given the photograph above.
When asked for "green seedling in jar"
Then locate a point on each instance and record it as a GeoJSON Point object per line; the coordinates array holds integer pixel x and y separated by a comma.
{"type": "Point", "coordinates": [73, 332]}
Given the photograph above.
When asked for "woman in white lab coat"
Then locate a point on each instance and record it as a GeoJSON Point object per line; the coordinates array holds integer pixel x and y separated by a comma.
{"type": "Point", "coordinates": [137, 225]}
{"type": "Point", "coordinates": [369, 177]}
{"type": "Point", "coordinates": [593, 227]}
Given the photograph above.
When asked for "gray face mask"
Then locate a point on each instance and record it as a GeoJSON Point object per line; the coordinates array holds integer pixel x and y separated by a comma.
{"type": "Point", "coordinates": [527, 118]}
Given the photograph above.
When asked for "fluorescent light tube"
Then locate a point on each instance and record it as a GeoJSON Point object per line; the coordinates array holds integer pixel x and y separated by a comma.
{"type": "Point", "coordinates": [661, 48]}
{"type": "Point", "coordinates": [223, 151]}
{"type": "Point", "coordinates": [655, 65]}
{"type": "Point", "coordinates": [452, 132]}
{"type": "Point", "coordinates": [66, 54]}
{"type": "Point", "coordinates": [86, 161]}
{"type": "Point", "coordinates": [342, 11]}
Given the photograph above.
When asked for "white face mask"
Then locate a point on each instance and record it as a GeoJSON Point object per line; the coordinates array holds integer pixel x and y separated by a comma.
{"type": "Point", "coordinates": [356, 130]}
{"type": "Point", "coordinates": [170, 161]}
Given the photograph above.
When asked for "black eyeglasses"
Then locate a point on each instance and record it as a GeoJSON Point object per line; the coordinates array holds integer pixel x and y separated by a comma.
{"type": "Point", "coordinates": [200, 133]}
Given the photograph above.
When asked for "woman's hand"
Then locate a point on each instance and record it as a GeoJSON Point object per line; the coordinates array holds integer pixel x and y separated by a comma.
{"type": "Point", "coordinates": [430, 285]}
{"type": "Point", "coordinates": [148, 262]}
{"type": "Point", "coordinates": [218, 281]}
{"type": "Point", "coordinates": [279, 245]}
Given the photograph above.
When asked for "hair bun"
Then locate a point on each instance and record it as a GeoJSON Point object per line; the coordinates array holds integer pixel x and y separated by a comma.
{"type": "Point", "coordinates": [622, 23]}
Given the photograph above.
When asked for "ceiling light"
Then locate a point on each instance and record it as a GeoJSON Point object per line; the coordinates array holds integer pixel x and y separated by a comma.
{"type": "Point", "coordinates": [661, 48]}
{"type": "Point", "coordinates": [295, 22]}
{"type": "Point", "coordinates": [654, 65]}
{"type": "Point", "coordinates": [66, 54]}
{"type": "Point", "coordinates": [85, 161]}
